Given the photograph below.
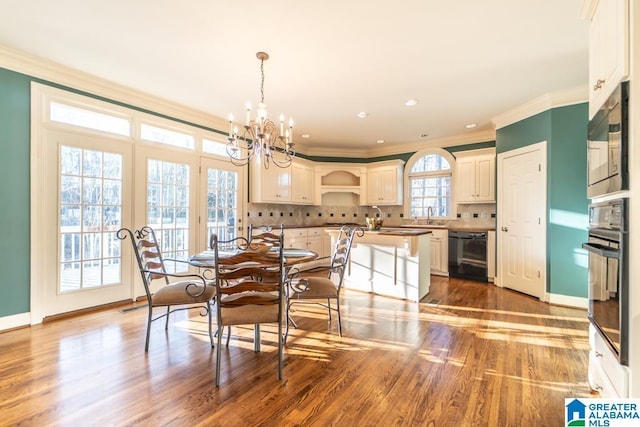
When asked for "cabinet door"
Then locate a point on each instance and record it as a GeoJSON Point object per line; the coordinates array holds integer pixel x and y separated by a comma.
{"type": "Point", "coordinates": [466, 179]}
{"type": "Point", "coordinates": [271, 185]}
{"type": "Point", "coordinates": [439, 252]}
{"type": "Point", "coordinates": [485, 179]}
{"type": "Point", "coordinates": [382, 186]}
{"type": "Point", "coordinates": [276, 184]}
{"type": "Point", "coordinates": [608, 51]}
{"type": "Point", "coordinates": [476, 179]}
{"type": "Point", "coordinates": [295, 238]}
{"type": "Point", "coordinates": [302, 184]}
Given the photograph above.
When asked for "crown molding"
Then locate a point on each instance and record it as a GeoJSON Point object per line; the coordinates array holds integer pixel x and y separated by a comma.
{"type": "Point", "coordinates": [393, 149]}
{"type": "Point", "coordinates": [52, 72]}
{"type": "Point", "coordinates": [540, 104]}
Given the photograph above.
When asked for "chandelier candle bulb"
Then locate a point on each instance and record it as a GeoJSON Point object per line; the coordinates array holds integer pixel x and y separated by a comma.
{"type": "Point", "coordinates": [230, 125]}
{"type": "Point", "coordinates": [248, 114]}
{"type": "Point", "coordinates": [281, 124]}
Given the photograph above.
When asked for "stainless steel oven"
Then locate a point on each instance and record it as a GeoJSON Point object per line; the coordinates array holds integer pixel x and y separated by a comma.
{"type": "Point", "coordinates": [608, 274]}
{"type": "Point", "coordinates": [607, 166]}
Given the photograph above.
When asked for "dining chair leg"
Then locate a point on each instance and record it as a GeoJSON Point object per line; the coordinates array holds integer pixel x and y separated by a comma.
{"type": "Point", "coordinates": [228, 333]}
{"type": "Point", "coordinates": [339, 318]}
{"type": "Point", "coordinates": [209, 308]}
{"type": "Point", "coordinates": [218, 354]}
{"type": "Point", "coordinates": [329, 309]}
{"type": "Point", "coordinates": [256, 338]}
{"type": "Point", "coordinates": [166, 320]}
{"type": "Point", "coordinates": [280, 350]}
{"type": "Point", "coordinates": [149, 320]}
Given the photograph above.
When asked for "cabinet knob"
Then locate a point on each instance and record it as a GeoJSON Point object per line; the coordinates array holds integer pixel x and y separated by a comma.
{"type": "Point", "coordinates": [598, 84]}
{"type": "Point", "coordinates": [598, 354]}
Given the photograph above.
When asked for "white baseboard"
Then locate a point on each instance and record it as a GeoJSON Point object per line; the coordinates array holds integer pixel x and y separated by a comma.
{"type": "Point", "coordinates": [577, 302]}
{"type": "Point", "coordinates": [15, 321]}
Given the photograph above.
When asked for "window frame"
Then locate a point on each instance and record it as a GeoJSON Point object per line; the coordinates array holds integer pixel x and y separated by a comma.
{"type": "Point", "coordinates": [451, 173]}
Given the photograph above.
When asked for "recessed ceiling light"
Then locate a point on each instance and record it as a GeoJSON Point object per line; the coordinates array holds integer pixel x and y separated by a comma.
{"type": "Point", "coordinates": [363, 114]}
{"type": "Point", "coordinates": [411, 102]}
{"type": "Point", "coordinates": [380, 141]}
{"type": "Point", "coordinates": [305, 135]}
{"type": "Point", "coordinates": [470, 125]}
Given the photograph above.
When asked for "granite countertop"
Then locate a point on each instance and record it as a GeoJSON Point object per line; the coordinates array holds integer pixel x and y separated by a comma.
{"type": "Point", "coordinates": [452, 227]}
{"type": "Point", "coordinates": [392, 231]}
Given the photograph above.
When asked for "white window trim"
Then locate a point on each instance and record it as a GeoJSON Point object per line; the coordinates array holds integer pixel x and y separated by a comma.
{"type": "Point", "coordinates": [407, 171]}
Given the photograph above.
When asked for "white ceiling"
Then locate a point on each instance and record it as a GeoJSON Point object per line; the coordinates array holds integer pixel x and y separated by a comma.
{"type": "Point", "coordinates": [466, 60]}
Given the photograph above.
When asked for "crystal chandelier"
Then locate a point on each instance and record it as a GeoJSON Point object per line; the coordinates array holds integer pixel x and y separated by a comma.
{"type": "Point", "coordinates": [261, 137]}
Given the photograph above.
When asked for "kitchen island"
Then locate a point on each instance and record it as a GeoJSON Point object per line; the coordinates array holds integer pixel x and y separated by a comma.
{"type": "Point", "coordinates": [390, 261]}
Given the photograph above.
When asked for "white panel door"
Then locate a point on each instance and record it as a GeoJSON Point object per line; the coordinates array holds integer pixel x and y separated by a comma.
{"type": "Point", "coordinates": [85, 192]}
{"type": "Point", "coordinates": [522, 220]}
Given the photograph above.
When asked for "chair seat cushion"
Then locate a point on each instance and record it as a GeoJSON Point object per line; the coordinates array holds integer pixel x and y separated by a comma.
{"type": "Point", "coordinates": [176, 294]}
{"type": "Point", "coordinates": [249, 314]}
{"type": "Point", "coordinates": [318, 287]}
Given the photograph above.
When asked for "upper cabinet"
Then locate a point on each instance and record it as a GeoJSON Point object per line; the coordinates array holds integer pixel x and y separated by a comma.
{"type": "Point", "coordinates": [384, 183]}
{"type": "Point", "coordinates": [272, 185]}
{"type": "Point", "coordinates": [476, 176]}
{"type": "Point", "coordinates": [608, 48]}
{"type": "Point", "coordinates": [293, 185]}
{"type": "Point", "coordinates": [302, 182]}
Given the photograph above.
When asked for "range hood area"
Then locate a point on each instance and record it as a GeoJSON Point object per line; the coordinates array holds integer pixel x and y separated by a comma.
{"type": "Point", "coordinates": [341, 187]}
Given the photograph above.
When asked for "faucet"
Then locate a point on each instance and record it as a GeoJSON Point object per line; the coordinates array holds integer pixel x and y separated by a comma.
{"type": "Point", "coordinates": [429, 213]}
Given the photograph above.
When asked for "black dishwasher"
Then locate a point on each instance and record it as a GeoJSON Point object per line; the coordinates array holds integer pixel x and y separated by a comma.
{"type": "Point", "coordinates": [468, 255]}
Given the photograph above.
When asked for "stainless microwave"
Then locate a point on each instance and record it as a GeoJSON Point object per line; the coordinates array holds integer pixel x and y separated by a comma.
{"type": "Point", "coordinates": [607, 141]}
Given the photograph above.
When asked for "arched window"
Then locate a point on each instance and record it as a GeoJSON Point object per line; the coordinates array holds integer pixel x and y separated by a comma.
{"type": "Point", "coordinates": [429, 183]}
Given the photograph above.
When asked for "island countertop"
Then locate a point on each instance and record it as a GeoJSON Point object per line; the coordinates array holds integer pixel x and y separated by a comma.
{"type": "Point", "coordinates": [391, 231]}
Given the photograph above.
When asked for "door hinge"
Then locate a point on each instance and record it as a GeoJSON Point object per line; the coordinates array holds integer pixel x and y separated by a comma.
{"type": "Point", "coordinates": [539, 167]}
{"type": "Point", "coordinates": [539, 274]}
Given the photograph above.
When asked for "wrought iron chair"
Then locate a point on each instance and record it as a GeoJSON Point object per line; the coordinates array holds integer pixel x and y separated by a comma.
{"type": "Point", "coordinates": [321, 284]}
{"type": "Point", "coordinates": [265, 234]}
{"type": "Point", "coordinates": [192, 291]}
{"type": "Point", "coordinates": [249, 289]}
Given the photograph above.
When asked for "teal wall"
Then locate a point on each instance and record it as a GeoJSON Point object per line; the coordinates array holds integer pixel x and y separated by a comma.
{"type": "Point", "coordinates": [565, 130]}
{"type": "Point", "coordinates": [14, 179]}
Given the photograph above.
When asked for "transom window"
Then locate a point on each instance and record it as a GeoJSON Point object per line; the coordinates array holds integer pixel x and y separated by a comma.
{"type": "Point", "coordinates": [429, 182]}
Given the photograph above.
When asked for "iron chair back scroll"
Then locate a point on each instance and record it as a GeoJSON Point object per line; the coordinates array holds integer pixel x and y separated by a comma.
{"type": "Point", "coordinates": [249, 289]}
{"type": "Point", "coordinates": [320, 285]}
{"type": "Point", "coordinates": [191, 291]}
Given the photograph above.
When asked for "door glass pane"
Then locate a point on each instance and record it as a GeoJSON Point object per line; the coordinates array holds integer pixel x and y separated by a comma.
{"type": "Point", "coordinates": [90, 207]}
{"type": "Point", "coordinates": [168, 210]}
{"type": "Point", "coordinates": [222, 203]}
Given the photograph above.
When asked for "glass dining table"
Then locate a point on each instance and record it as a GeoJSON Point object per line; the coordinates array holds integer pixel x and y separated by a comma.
{"type": "Point", "coordinates": [292, 257]}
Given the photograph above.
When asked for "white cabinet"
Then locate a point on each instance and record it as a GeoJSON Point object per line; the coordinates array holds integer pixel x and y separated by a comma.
{"type": "Point", "coordinates": [302, 183]}
{"type": "Point", "coordinates": [272, 185]}
{"type": "Point", "coordinates": [439, 252]}
{"type": "Point", "coordinates": [305, 238]}
{"type": "Point", "coordinates": [384, 183]}
{"type": "Point", "coordinates": [606, 375]}
{"type": "Point", "coordinates": [476, 176]}
{"type": "Point", "coordinates": [608, 48]}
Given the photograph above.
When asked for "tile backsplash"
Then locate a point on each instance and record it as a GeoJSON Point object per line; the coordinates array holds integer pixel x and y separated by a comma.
{"type": "Point", "coordinates": [472, 215]}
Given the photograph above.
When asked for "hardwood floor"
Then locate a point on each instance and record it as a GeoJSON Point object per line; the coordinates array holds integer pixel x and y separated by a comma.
{"type": "Point", "coordinates": [472, 354]}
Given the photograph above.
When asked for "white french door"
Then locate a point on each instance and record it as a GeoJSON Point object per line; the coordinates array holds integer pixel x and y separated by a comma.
{"type": "Point", "coordinates": [222, 183]}
{"type": "Point", "coordinates": [521, 228]}
{"type": "Point", "coordinates": [85, 183]}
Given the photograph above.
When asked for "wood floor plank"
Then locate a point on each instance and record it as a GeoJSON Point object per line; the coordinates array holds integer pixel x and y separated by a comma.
{"type": "Point", "coordinates": [469, 354]}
